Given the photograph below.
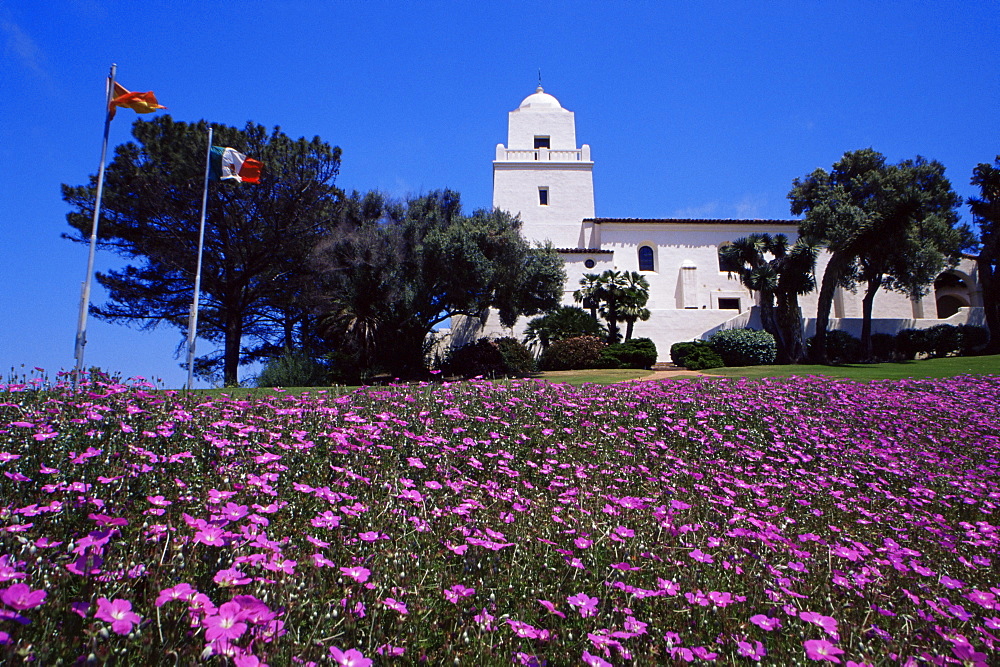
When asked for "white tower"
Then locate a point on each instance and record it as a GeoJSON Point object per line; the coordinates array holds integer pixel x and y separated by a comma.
{"type": "Point", "coordinates": [542, 175]}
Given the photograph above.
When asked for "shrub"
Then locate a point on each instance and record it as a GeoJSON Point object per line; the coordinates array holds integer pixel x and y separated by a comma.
{"type": "Point", "coordinates": [292, 369]}
{"type": "Point", "coordinates": [562, 323]}
{"type": "Point", "coordinates": [943, 339]}
{"type": "Point", "coordinates": [517, 358]}
{"type": "Point", "coordinates": [490, 358]}
{"type": "Point", "coordinates": [911, 342]}
{"type": "Point", "coordinates": [702, 357]}
{"type": "Point", "coordinates": [572, 354]}
{"type": "Point", "coordinates": [972, 338]}
{"type": "Point", "coordinates": [842, 347]}
{"type": "Point", "coordinates": [883, 346]}
{"type": "Point", "coordinates": [680, 351]}
{"type": "Point", "coordinates": [634, 353]}
{"type": "Point", "coordinates": [744, 347]}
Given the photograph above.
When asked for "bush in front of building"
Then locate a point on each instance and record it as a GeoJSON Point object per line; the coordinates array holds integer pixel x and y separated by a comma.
{"type": "Point", "coordinates": [517, 358]}
{"type": "Point", "coordinates": [744, 347]}
{"type": "Point", "coordinates": [841, 347]}
{"type": "Point", "coordinates": [633, 353]}
{"type": "Point", "coordinates": [490, 358]}
{"type": "Point", "coordinates": [883, 346]}
{"type": "Point", "coordinates": [911, 342]}
{"type": "Point", "coordinates": [943, 339]}
{"type": "Point", "coordinates": [572, 354]}
{"type": "Point", "coordinates": [695, 355]}
{"type": "Point", "coordinates": [972, 339]}
{"type": "Point", "coordinates": [680, 353]}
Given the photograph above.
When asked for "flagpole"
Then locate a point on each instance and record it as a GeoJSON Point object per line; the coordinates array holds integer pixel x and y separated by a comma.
{"type": "Point", "coordinates": [193, 318]}
{"type": "Point", "coordinates": [81, 327]}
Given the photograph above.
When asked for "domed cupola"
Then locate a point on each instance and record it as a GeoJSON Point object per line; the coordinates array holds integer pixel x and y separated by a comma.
{"type": "Point", "coordinates": [540, 100]}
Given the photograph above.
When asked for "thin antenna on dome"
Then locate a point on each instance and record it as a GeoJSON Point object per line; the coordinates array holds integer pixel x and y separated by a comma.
{"type": "Point", "coordinates": [539, 79]}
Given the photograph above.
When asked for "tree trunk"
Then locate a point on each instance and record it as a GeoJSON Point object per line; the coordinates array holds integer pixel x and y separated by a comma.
{"type": "Point", "coordinates": [629, 326]}
{"type": "Point", "coordinates": [789, 317]}
{"type": "Point", "coordinates": [769, 321]}
{"type": "Point", "coordinates": [834, 270]}
{"type": "Point", "coordinates": [991, 302]}
{"type": "Point", "coordinates": [231, 354]}
{"type": "Point", "coordinates": [867, 304]}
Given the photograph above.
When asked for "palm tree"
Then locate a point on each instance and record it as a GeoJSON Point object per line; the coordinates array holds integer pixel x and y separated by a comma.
{"type": "Point", "coordinates": [778, 282]}
{"type": "Point", "coordinates": [633, 306]}
{"type": "Point", "coordinates": [589, 294]}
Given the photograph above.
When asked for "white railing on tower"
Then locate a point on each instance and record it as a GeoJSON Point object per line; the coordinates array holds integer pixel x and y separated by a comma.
{"type": "Point", "coordinates": [505, 154]}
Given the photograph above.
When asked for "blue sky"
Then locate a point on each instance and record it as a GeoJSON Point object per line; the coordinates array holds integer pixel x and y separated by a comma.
{"type": "Point", "coordinates": [693, 109]}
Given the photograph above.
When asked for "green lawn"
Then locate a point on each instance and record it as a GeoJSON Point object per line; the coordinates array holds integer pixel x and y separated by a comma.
{"type": "Point", "coordinates": [929, 368]}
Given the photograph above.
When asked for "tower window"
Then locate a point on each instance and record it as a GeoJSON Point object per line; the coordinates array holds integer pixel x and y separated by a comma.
{"type": "Point", "coordinates": [646, 258]}
{"type": "Point", "coordinates": [541, 142]}
{"type": "Point", "coordinates": [543, 196]}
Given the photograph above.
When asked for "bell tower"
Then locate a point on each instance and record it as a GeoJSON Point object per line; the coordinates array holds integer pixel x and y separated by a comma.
{"type": "Point", "coordinates": [542, 175]}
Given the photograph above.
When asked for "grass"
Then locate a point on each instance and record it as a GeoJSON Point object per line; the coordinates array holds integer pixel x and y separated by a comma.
{"type": "Point", "coordinates": [928, 368]}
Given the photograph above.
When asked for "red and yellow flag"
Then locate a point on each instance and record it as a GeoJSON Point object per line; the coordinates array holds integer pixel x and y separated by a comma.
{"type": "Point", "coordinates": [138, 102]}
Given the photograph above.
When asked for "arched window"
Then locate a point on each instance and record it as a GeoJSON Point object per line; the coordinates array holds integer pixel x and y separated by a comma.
{"type": "Point", "coordinates": [646, 258]}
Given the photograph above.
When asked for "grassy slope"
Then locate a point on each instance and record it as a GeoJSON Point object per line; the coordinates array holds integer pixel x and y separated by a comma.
{"type": "Point", "coordinates": [933, 368]}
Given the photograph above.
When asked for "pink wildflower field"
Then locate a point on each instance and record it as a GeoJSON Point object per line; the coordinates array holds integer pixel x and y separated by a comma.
{"type": "Point", "coordinates": [801, 521]}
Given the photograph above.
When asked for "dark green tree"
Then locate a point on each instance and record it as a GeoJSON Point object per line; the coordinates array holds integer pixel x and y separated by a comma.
{"type": "Point", "coordinates": [255, 236]}
{"type": "Point", "coordinates": [885, 225]}
{"type": "Point", "coordinates": [779, 272]}
{"type": "Point", "coordinates": [390, 272]}
{"type": "Point", "coordinates": [559, 324]}
{"type": "Point", "coordinates": [986, 214]}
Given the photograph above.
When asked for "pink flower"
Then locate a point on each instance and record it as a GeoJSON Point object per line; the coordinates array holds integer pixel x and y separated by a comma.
{"type": "Point", "coordinates": [820, 649]}
{"type": "Point", "coordinates": [118, 613]}
{"type": "Point", "coordinates": [587, 605]}
{"type": "Point", "coordinates": [210, 535]}
{"type": "Point", "coordinates": [181, 591]}
{"type": "Point", "coordinates": [226, 624]}
{"type": "Point", "coordinates": [359, 574]}
{"type": "Point", "coordinates": [552, 608]}
{"type": "Point", "coordinates": [754, 652]}
{"type": "Point", "coordinates": [396, 605]}
{"type": "Point", "coordinates": [594, 661]}
{"type": "Point", "coordinates": [765, 622]}
{"type": "Point", "coordinates": [826, 622]}
{"type": "Point", "coordinates": [20, 596]}
{"type": "Point", "coordinates": [231, 577]}
{"type": "Point", "coordinates": [701, 557]}
{"type": "Point", "coordinates": [349, 658]}
{"type": "Point", "coordinates": [456, 592]}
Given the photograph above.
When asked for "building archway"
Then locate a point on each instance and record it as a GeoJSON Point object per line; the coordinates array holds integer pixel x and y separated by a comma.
{"type": "Point", "coordinates": [951, 292]}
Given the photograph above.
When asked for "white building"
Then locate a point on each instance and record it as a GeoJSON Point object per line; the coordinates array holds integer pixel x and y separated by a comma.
{"type": "Point", "coordinates": [543, 176]}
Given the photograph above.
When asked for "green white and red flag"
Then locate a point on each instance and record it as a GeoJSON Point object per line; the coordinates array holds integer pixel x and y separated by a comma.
{"type": "Point", "coordinates": [228, 164]}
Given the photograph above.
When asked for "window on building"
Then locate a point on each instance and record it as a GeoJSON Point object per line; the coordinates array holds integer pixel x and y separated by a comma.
{"type": "Point", "coordinates": [541, 142]}
{"type": "Point", "coordinates": [729, 304]}
{"type": "Point", "coordinates": [543, 196]}
{"type": "Point", "coordinates": [728, 265]}
{"type": "Point", "coordinates": [646, 262]}
{"type": "Point", "coordinates": [590, 263]}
